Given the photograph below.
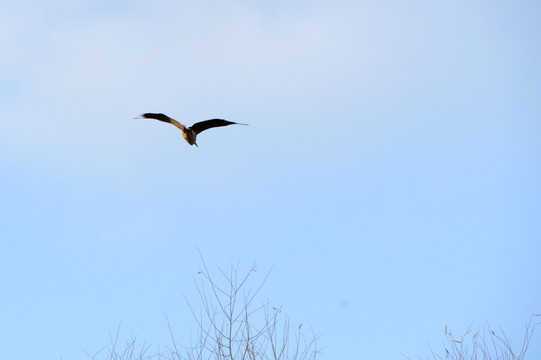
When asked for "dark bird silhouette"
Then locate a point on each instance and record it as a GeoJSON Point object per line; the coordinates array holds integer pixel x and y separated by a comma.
{"type": "Point", "coordinates": [190, 133]}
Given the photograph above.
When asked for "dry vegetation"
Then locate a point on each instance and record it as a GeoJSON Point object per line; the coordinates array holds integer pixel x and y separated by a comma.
{"type": "Point", "coordinates": [230, 325]}
{"type": "Point", "coordinates": [485, 344]}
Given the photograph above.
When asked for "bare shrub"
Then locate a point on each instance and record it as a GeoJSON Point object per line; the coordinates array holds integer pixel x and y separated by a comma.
{"type": "Point", "coordinates": [230, 326]}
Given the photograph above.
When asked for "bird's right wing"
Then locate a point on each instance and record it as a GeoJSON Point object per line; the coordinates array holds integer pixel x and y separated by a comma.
{"type": "Point", "coordinates": [208, 124]}
{"type": "Point", "coordinates": [164, 118]}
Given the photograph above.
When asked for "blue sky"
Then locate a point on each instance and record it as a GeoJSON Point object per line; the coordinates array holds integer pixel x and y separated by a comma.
{"type": "Point", "coordinates": [389, 176]}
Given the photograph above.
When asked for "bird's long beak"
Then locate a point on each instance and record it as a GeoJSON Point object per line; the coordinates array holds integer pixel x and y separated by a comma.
{"type": "Point", "coordinates": [196, 144]}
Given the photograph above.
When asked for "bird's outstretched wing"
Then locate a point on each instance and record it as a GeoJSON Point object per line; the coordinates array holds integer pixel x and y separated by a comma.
{"type": "Point", "coordinates": [164, 118]}
{"type": "Point", "coordinates": [207, 124]}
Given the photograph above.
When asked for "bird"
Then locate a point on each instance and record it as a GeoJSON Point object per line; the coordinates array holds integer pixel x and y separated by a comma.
{"type": "Point", "coordinates": [190, 133]}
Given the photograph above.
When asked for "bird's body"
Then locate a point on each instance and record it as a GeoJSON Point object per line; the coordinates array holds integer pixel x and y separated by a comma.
{"type": "Point", "coordinates": [190, 133]}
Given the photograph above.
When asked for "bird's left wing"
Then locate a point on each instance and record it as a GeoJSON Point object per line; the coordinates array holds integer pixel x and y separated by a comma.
{"type": "Point", "coordinates": [164, 118]}
{"type": "Point", "coordinates": [207, 124]}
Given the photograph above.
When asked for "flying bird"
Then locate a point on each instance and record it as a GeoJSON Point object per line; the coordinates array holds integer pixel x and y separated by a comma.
{"type": "Point", "coordinates": [190, 133]}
